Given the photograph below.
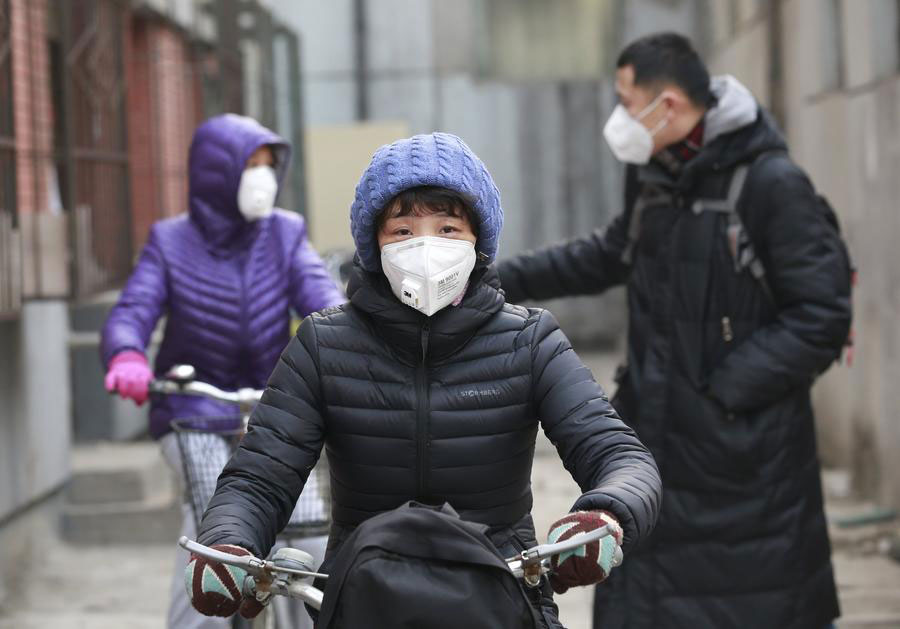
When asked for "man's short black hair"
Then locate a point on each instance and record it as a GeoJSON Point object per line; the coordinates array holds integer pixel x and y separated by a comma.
{"type": "Point", "coordinates": [668, 58]}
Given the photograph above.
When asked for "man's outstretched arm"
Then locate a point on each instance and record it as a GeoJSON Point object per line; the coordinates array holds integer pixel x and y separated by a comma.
{"type": "Point", "coordinates": [581, 266]}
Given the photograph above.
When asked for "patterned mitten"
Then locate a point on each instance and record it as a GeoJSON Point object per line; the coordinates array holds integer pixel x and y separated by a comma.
{"type": "Point", "coordinates": [589, 563]}
{"type": "Point", "coordinates": [216, 589]}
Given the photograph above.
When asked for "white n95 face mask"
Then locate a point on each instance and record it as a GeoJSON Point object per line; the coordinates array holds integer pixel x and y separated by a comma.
{"type": "Point", "coordinates": [429, 272]}
{"type": "Point", "coordinates": [257, 192]}
{"type": "Point", "coordinates": [630, 141]}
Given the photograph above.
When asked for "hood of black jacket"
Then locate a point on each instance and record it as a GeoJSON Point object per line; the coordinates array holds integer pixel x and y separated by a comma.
{"type": "Point", "coordinates": [737, 137]}
{"type": "Point", "coordinates": [731, 149]}
{"type": "Point", "coordinates": [448, 329]}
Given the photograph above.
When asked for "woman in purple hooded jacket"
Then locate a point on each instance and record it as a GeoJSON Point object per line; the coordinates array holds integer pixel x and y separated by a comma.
{"type": "Point", "coordinates": [226, 275]}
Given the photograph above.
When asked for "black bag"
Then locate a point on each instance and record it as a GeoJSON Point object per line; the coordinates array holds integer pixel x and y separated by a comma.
{"type": "Point", "coordinates": [424, 567]}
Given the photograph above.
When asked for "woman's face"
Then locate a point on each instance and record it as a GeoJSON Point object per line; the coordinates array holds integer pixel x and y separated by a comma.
{"type": "Point", "coordinates": [441, 224]}
{"type": "Point", "coordinates": [261, 157]}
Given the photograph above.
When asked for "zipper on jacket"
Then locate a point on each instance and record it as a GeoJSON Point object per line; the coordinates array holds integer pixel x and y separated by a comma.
{"type": "Point", "coordinates": [422, 441]}
{"type": "Point", "coordinates": [727, 332]}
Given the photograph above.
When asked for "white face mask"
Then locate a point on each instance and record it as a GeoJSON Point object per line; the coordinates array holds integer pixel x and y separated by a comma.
{"type": "Point", "coordinates": [629, 140]}
{"type": "Point", "coordinates": [256, 192]}
{"type": "Point", "coordinates": [429, 272]}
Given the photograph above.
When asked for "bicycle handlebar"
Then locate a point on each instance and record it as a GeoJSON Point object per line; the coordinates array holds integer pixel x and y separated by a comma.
{"type": "Point", "coordinates": [294, 589]}
{"type": "Point", "coordinates": [534, 561]}
{"type": "Point", "coordinates": [260, 568]}
{"type": "Point", "coordinates": [180, 381]}
{"type": "Point", "coordinates": [267, 578]}
{"type": "Point", "coordinates": [264, 577]}
{"type": "Point", "coordinates": [544, 551]}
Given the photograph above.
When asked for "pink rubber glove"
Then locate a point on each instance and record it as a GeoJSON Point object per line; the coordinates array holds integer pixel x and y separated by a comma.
{"type": "Point", "coordinates": [130, 375]}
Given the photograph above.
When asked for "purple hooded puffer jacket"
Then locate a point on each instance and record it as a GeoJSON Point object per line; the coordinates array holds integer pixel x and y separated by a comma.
{"type": "Point", "coordinates": [225, 284]}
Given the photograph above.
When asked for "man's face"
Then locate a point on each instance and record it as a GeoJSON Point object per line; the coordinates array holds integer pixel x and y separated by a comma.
{"type": "Point", "coordinates": [638, 99]}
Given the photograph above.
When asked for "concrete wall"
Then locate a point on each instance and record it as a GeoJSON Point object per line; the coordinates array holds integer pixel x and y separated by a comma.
{"type": "Point", "coordinates": [34, 366]}
{"type": "Point", "coordinates": [462, 67]}
{"type": "Point", "coordinates": [35, 413]}
{"type": "Point", "coordinates": [341, 153]}
{"type": "Point", "coordinates": [739, 37]}
{"type": "Point", "coordinates": [841, 95]}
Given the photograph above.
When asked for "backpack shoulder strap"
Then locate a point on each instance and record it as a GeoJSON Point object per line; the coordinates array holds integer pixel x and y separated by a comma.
{"type": "Point", "coordinates": [743, 253]}
{"type": "Point", "coordinates": [739, 177]}
{"type": "Point", "coordinates": [638, 201]}
{"type": "Point", "coordinates": [729, 204]}
{"type": "Point", "coordinates": [642, 200]}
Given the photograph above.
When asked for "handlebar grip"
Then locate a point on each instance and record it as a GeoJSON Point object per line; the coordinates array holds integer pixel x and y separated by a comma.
{"type": "Point", "coordinates": [162, 386]}
{"type": "Point", "coordinates": [544, 551]}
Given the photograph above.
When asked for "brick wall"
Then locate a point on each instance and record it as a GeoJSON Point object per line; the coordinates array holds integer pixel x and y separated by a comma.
{"type": "Point", "coordinates": [33, 112]}
{"type": "Point", "coordinates": [141, 137]}
{"type": "Point", "coordinates": [176, 117]}
{"type": "Point", "coordinates": [163, 106]}
{"type": "Point", "coordinates": [45, 271]}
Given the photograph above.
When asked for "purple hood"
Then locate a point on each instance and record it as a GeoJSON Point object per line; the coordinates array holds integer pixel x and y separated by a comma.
{"type": "Point", "coordinates": [219, 151]}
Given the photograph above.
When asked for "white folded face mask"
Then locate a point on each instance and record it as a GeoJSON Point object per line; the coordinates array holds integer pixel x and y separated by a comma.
{"type": "Point", "coordinates": [629, 140]}
{"type": "Point", "coordinates": [429, 272]}
{"type": "Point", "coordinates": [257, 192]}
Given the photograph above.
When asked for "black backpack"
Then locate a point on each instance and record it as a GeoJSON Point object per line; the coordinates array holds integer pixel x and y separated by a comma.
{"type": "Point", "coordinates": [421, 566]}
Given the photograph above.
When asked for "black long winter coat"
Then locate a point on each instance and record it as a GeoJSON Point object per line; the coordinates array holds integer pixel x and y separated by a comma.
{"type": "Point", "coordinates": [433, 409]}
{"type": "Point", "coordinates": [718, 386]}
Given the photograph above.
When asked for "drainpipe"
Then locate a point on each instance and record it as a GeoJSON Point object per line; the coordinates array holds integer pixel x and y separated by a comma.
{"type": "Point", "coordinates": [774, 32]}
{"type": "Point", "coordinates": [360, 55]}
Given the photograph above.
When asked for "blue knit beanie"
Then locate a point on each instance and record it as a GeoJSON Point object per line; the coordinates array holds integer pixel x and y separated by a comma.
{"type": "Point", "coordinates": [436, 159]}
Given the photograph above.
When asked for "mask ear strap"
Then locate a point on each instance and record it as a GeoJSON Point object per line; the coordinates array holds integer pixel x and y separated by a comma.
{"type": "Point", "coordinates": [659, 126]}
{"type": "Point", "coordinates": [653, 105]}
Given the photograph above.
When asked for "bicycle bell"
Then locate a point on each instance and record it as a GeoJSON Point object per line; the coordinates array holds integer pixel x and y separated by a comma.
{"type": "Point", "coordinates": [294, 559]}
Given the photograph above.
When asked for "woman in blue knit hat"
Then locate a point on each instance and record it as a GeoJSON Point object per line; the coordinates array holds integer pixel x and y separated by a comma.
{"type": "Point", "coordinates": [428, 386]}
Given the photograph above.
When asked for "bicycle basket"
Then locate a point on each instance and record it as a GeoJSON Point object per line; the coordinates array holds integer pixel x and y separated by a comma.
{"type": "Point", "coordinates": [207, 443]}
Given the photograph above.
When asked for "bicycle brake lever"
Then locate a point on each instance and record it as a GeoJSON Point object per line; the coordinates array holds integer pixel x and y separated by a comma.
{"type": "Point", "coordinates": [255, 566]}
{"type": "Point", "coordinates": [536, 553]}
{"type": "Point", "coordinates": [271, 567]}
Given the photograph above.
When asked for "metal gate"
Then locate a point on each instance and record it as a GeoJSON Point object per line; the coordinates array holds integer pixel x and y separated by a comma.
{"type": "Point", "coordinates": [92, 146]}
{"type": "Point", "coordinates": [259, 62]}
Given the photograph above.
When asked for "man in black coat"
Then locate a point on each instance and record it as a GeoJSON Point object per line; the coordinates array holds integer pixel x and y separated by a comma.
{"type": "Point", "coordinates": [732, 315]}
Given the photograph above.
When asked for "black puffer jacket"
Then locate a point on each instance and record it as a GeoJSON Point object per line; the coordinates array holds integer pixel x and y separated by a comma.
{"type": "Point", "coordinates": [435, 410]}
{"type": "Point", "coordinates": [718, 386]}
